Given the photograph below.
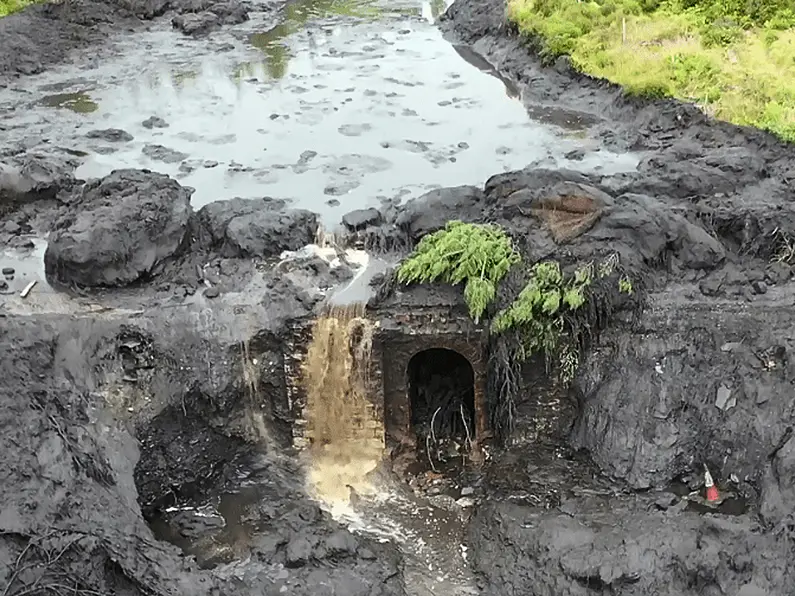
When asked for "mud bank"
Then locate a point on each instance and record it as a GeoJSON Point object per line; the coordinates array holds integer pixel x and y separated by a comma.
{"type": "Point", "coordinates": [702, 377]}
{"type": "Point", "coordinates": [45, 35]}
{"type": "Point", "coordinates": [111, 416]}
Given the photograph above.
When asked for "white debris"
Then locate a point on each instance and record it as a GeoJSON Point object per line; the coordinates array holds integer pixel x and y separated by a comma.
{"type": "Point", "coordinates": [725, 400]}
{"type": "Point", "coordinates": [28, 288]}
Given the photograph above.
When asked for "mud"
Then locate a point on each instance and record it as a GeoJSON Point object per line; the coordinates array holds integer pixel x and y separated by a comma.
{"type": "Point", "coordinates": [144, 378]}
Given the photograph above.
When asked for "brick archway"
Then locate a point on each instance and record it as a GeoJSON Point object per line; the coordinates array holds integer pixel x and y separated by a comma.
{"type": "Point", "coordinates": [397, 352]}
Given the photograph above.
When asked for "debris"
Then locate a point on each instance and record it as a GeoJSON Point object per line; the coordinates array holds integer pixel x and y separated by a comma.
{"type": "Point", "coordinates": [28, 288]}
{"type": "Point", "coordinates": [712, 490]}
{"type": "Point", "coordinates": [725, 400]}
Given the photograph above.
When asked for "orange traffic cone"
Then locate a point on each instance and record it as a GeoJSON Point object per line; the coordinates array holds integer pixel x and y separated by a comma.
{"type": "Point", "coordinates": [712, 490]}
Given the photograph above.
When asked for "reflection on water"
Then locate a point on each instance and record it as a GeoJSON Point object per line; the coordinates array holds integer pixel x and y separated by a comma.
{"type": "Point", "coordinates": [78, 102]}
{"type": "Point", "coordinates": [296, 15]}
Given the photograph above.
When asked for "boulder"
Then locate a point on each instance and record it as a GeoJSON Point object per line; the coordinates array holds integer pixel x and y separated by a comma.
{"type": "Point", "coordinates": [652, 229]}
{"type": "Point", "coordinates": [29, 177]}
{"type": "Point", "coordinates": [361, 218]}
{"type": "Point", "coordinates": [124, 227]}
{"type": "Point", "coordinates": [430, 212]}
{"type": "Point", "coordinates": [255, 227]}
{"type": "Point", "coordinates": [200, 17]}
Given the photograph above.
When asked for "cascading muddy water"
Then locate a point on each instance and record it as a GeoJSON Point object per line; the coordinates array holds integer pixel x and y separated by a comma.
{"type": "Point", "coordinates": [347, 438]}
{"type": "Point", "coordinates": [347, 446]}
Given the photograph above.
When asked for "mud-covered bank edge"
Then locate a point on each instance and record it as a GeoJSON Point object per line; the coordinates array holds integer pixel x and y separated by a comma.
{"type": "Point", "coordinates": [44, 35]}
{"type": "Point", "coordinates": [627, 122]}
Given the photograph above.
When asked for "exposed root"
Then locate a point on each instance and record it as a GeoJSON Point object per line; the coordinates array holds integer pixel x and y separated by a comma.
{"type": "Point", "coordinates": [42, 567]}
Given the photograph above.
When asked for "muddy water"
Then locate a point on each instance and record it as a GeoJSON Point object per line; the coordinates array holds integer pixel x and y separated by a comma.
{"type": "Point", "coordinates": [345, 105]}
{"type": "Point", "coordinates": [347, 448]}
{"type": "Point", "coordinates": [347, 439]}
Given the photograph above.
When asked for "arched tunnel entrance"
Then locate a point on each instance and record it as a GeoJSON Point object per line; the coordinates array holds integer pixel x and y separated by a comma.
{"type": "Point", "coordinates": [441, 387]}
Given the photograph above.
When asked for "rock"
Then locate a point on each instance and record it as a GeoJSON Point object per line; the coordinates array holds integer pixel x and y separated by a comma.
{"type": "Point", "coordinates": [653, 231]}
{"type": "Point", "coordinates": [196, 24]}
{"type": "Point", "coordinates": [779, 273]}
{"type": "Point", "coordinates": [712, 285]}
{"type": "Point", "coordinates": [666, 502]}
{"type": "Point", "coordinates": [255, 227]}
{"type": "Point", "coordinates": [111, 135]}
{"type": "Point", "coordinates": [31, 177]}
{"type": "Point", "coordinates": [431, 211]}
{"type": "Point", "coordinates": [340, 543]}
{"type": "Point", "coordinates": [154, 122]}
{"type": "Point", "coordinates": [298, 552]}
{"type": "Point", "coordinates": [123, 227]}
{"type": "Point", "coordinates": [8, 271]}
{"type": "Point", "coordinates": [361, 218]}
{"type": "Point", "coordinates": [725, 400]}
{"type": "Point", "coordinates": [164, 154]}
{"type": "Point", "coordinates": [11, 227]}
{"type": "Point", "coordinates": [575, 155]}
{"type": "Point", "coordinates": [212, 292]}
{"type": "Point", "coordinates": [205, 17]}
{"type": "Point", "coordinates": [759, 287]}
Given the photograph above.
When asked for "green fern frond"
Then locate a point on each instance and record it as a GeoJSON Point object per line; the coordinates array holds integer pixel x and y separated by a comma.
{"type": "Point", "coordinates": [479, 255]}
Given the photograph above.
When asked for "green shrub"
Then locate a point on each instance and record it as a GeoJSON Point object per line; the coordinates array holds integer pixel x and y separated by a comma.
{"type": "Point", "coordinates": [477, 255]}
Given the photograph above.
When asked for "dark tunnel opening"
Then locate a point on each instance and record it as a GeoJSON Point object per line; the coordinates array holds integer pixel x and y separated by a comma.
{"type": "Point", "coordinates": [442, 398]}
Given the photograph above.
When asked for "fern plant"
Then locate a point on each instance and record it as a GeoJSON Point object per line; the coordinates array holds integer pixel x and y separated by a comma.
{"type": "Point", "coordinates": [479, 255]}
{"type": "Point", "coordinates": [540, 311]}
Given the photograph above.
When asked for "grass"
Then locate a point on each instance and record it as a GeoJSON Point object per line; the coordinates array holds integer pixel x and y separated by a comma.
{"type": "Point", "coordinates": [733, 58]}
{"type": "Point", "coordinates": [9, 6]}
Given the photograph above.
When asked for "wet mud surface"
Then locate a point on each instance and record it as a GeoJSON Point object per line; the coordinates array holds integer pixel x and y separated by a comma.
{"type": "Point", "coordinates": [144, 380]}
{"type": "Point", "coordinates": [336, 109]}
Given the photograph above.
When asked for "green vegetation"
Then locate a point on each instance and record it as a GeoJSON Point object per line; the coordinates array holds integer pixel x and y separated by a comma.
{"type": "Point", "coordinates": [733, 58]}
{"type": "Point", "coordinates": [480, 255]}
{"type": "Point", "coordinates": [9, 6]}
{"type": "Point", "coordinates": [543, 311]}
{"type": "Point", "coordinates": [547, 315]}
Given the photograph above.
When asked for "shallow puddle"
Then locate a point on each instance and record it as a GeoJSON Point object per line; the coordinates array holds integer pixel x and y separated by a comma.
{"type": "Point", "coordinates": [19, 267]}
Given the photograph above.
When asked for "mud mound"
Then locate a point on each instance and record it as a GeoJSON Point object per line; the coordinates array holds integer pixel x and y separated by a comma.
{"type": "Point", "coordinates": [593, 545]}
{"type": "Point", "coordinates": [568, 209]}
{"type": "Point", "coordinates": [119, 229]}
{"type": "Point", "coordinates": [553, 526]}
{"type": "Point", "coordinates": [256, 227]}
{"type": "Point", "coordinates": [78, 393]}
{"type": "Point", "coordinates": [44, 34]}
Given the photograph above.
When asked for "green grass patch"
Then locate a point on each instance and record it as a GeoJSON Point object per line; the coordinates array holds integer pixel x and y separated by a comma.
{"type": "Point", "coordinates": [9, 6]}
{"type": "Point", "coordinates": [733, 58]}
